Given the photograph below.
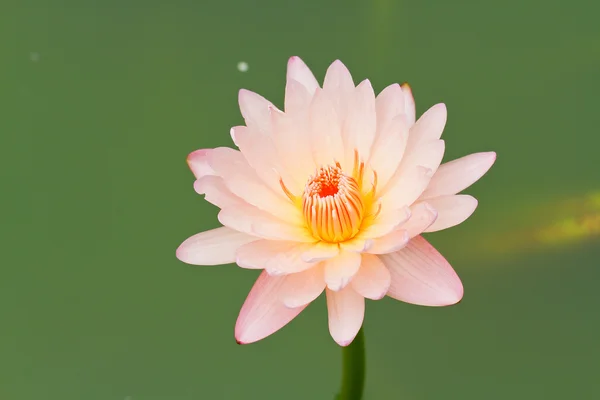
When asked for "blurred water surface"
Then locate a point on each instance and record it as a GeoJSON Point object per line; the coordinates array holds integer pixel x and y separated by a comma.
{"type": "Point", "coordinates": [102, 101]}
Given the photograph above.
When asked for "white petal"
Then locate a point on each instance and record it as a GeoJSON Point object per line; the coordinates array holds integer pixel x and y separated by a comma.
{"type": "Point", "coordinates": [373, 279]}
{"type": "Point", "coordinates": [452, 210]}
{"type": "Point", "coordinates": [457, 175]}
{"type": "Point", "coordinates": [421, 218]}
{"type": "Point", "coordinates": [404, 189]}
{"type": "Point", "coordinates": [346, 310]}
{"type": "Point", "coordinates": [388, 220]}
{"type": "Point", "coordinates": [213, 247]}
{"type": "Point", "coordinates": [339, 270]}
{"type": "Point", "coordinates": [420, 275]}
{"type": "Point", "coordinates": [339, 86]}
{"type": "Point", "coordinates": [298, 71]}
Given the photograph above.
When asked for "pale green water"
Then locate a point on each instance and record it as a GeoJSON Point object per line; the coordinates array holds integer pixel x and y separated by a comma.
{"type": "Point", "coordinates": [102, 101]}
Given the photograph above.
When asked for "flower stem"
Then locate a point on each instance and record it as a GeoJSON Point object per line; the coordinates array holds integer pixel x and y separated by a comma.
{"type": "Point", "coordinates": [353, 369]}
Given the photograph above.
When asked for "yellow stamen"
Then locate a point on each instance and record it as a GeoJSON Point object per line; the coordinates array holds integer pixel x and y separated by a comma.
{"type": "Point", "coordinates": [332, 205]}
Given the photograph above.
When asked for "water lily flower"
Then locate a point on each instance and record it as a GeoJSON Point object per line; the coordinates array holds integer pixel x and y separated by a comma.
{"type": "Point", "coordinates": [332, 194]}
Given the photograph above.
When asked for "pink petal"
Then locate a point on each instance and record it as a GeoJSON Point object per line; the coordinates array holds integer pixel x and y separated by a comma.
{"type": "Point", "coordinates": [421, 218]}
{"type": "Point", "coordinates": [263, 312]}
{"type": "Point", "coordinates": [213, 247]}
{"type": "Point", "coordinates": [405, 188]}
{"type": "Point", "coordinates": [215, 192]}
{"type": "Point", "coordinates": [297, 98]}
{"type": "Point", "coordinates": [198, 163]}
{"type": "Point", "coordinates": [320, 251]}
{"type": "Point", "coordinates": [339, 87]}
{"type": "Point", "coordinates": [427, 154]}
{"type": "Point", "coordinates": [346, 310]}
{"type": "Point", "coordinates": [452, 210]}
{"type": "Point", "coordinates": [298, 71]}
{"type": "Point", "coordinates": [255, 110]}
{"type": "Point", "coordinates": [457, 175]}
{"type": "Point", "coordinates": [261, 154]}
{"type": "Point", "coordinates": [339, 270]}
{"type": "Point", "coordinates": [409, 104]}
{"type": "Point", "coordinates": [430, 126]}
{"type": "Point", "coordinates": [373, 279]}
{"type": "Point", "coordinates": [388, 220]}
{"type": "Point", "coordinates": [326, 138]}
{"type": "Point", "coordinates": [243, 181]}
{"type": "Point", "coordinates": [277, 257]}
{"type": "Point", "coordinates": [302, 288]}
{"type": "Point", "coordinates": [292, 139]}
{"type": "Point", "coordinates": [388, 149]}
{"type": "Point", "coordinates": [389, 104]}
{"type": "Point", "coordinates": [420, 275]}
{"type": "Point", "coordinates": [360, 123]}
{"type": "Point", "coordinates": [249, 219]}
{"type": "Point", "coordinates": [389, 243]}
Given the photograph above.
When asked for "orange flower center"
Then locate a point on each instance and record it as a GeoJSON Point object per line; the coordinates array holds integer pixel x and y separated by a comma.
{"type": "Point", "coordinates": [332, 205]}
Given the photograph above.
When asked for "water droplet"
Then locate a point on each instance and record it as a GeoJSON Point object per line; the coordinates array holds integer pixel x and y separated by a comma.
{"type": "Point", "coordinates": [242, 66]}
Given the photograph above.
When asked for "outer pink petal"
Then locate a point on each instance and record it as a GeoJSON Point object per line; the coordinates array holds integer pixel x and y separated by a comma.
{"type": "Point", "coordinates": [452, 210]}
{"type": "Point", "coordinates": [198, 163]}
{"type": "Point", "coordinates": [339, 270]}
{"type": "Point", "coordinates": [409, 104]}
{"type": "Point", "coordinates": [388, 149]}
{"type": "Point", "coordinates": [298, 71]}
{"type": "Point", "coordinates": [213, 247]}
{"type": "Point", "coordinates": [360, 123]}
{"type": "Point", "coordinates": [339, 84]}
{"type": "Point", "coordinates": [255, 110]}
{"type": "Point", "coordinates": [346, 310]}
{"type": "Point", "coordinates": [420, 275]}
{"type": "Point", "coordinates": [263, 312]}
{"type": "Point", "coordinates": [302, 288]}
{"type": "Point", "coordinates": [326, 136]}
{"type": "Point", "coordinates": [457, 175]}
{"type": "Point", "coordinates": [430, 126]}
{"type": "Point", "coordinates": [373, 279]}
{"type": "Point", "coordinates": [276, 257]}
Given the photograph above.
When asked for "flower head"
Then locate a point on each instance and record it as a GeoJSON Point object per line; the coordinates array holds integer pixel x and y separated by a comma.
{"type": "Point", "coordinates": [332, 194]}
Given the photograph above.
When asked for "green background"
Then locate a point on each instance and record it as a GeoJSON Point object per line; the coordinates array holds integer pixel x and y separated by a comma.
{"type": "Point", "coordinates": [100, 103]}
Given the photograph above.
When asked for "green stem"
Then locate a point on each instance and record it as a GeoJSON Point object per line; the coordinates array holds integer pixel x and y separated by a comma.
{"type": "Point", "coordinates": [353, 369]}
